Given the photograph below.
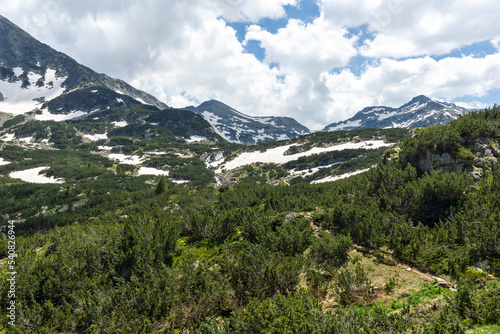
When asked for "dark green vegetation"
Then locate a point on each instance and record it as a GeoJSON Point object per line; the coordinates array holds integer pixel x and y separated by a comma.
{"type": "Point", "coordinates": [148, 126]}
{"type": "Point", "coordinates": [139, 258]}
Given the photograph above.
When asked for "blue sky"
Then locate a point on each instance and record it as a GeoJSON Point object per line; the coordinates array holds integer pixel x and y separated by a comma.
{"type": "Point", "coordinates": [319, 61]}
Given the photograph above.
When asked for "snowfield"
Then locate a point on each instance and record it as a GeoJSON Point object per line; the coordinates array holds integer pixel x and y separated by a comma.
{"type": "Point", "coordinates": [47, 116]}
{"type": "Point", "coordinates": [34, 175]}
{"type": "Point", "coordinates": [18, 100]}
{"type": "Point", "coordinates": [276, 155]}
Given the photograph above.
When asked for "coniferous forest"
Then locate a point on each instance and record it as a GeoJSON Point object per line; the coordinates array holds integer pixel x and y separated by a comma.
{"type": "Point", "coordinates": [402, 248]}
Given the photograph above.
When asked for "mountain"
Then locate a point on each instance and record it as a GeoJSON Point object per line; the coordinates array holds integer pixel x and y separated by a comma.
{"type": "Point", "coordinates": [420, 111]}
{"type": "Point", "coordinates": [32, 73]}
{"type": "Point", "coordinates": [237, 127]}
{"type": "Point", "coordinates": [38, 83]}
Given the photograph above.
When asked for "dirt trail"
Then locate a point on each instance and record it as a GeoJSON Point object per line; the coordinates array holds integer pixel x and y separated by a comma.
{"type": "Point", "coordinates": [441, 281]}
{"type": "Point", "coordinates": [428, 276]}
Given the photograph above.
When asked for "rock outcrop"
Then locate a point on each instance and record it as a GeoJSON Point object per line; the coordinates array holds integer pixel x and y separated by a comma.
{"type": "Point", "coordinates": [484, 152]}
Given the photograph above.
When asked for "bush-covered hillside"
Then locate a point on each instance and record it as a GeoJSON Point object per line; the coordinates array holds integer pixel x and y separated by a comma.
{"type": "Point", "coordinates": [328, 258]}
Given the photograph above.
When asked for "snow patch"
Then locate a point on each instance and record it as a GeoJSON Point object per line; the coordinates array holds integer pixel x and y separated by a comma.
{"type": "Point", "coordinates": [386, 115]}
{"type": "Point", "coordinates": [180, 181]}
{"type": "Point", "coordinates": [4, 162]}
{"type": "Point", "coordinates": [195, 139]}
{"type": "Point", "coordinates": [142, 101]}
{"type": "Point", "coordinates": [127, 159]}
{"type": "Point", "coordinates": [156, 153]}
{"type": "Point", "coordinates": [120, 124]}
{"type": "Point", "coordinates": [340, 177]}
{"type": "Point", "coordinates": [310, 171]}
{"type": "Point", "coordinates": [417, 106]}
{"type": "Point", "coordinates": [345, 125]}
{"type": "Point", "coordinates": [261, 136]}
{"type": "Point", "coordinates": [33, 175]}
{"type": "Point", "coordinates": [151, 171]}
{"type": "Point", "coordinates": [8, 137]}
{"type": "Point", "coordinates": [47, 116]}
{"type": "Point", "coordinates": [26, 140]}
{"type": "Point", "coordinates": [96, 136]}
{"type": "Point", "coordinates": [377, 109]}
{"type": "Point", "coordinates": [282, 137]}
{"type": "Point", "coordinates": [214, 122]}
{"type": "Point", "coordinates": [18, 71]}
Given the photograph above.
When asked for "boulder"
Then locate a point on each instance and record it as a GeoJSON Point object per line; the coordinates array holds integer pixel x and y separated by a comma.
{"type": "Point", "coordinates": [483, 265]}
{"type": "Point", "coordinates": [291, 216]}
{"type": "Point", "coordinates": [52, 248]}
{"type": "Point", "coordinates": [495, 151]}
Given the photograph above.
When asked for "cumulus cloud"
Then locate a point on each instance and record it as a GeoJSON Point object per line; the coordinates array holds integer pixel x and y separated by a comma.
{"type": "Point", "coordinates": [394, 83]}
{"type": "Point", "coordinates": [184, 52]}
{"type": "Point", "coordinates": [253, 10]}
{"type": "Point", "coordinates": [415, 28]}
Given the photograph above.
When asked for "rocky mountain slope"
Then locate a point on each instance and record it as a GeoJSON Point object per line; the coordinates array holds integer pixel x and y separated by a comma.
{"type": "Point", "coordinates": [39, 84]}
{"type": "Point", "coordinates": [32, 73]}
{"type": "Point", "coordinates": [237, 127]}
{"type": "Point", "coordinates": [420, 111]}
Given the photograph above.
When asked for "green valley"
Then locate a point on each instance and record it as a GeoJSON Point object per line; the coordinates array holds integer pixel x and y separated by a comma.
{"type": "Point", "coordinates": [412, 245]}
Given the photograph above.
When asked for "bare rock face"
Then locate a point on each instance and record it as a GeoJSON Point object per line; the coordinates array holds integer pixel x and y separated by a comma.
{"type": "Point", "coordinates": [486, 152]}
{"type": "Point", "coordinates": [1, 97]}
{"type": "Point", "coordinates": [443, 161]}
{"type": "Point", "coordinates": [495, 151]}
{"type": "Point", "coordinates": [429, 161]}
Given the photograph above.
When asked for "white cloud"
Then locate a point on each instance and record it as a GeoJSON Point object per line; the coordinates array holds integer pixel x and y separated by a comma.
{"type": "Point", "coordinates": [316, 47]}
{"type": "Point", "coordinates": [472, 105]}
{"type": "Point", "coordinates": [394, 83]}
{"type": "Point", "coordinates": [305, 53]}
{"type": "Point", "coordinates": [183, 52]}
{"type": "Point", "coordinates": [253, 10]}
{"type": "Point", "coordinates": [415, 28]}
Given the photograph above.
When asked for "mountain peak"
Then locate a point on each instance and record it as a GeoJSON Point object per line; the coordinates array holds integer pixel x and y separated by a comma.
{"type": "Point", "coordinates": [237, 127]}
{"type": "Point", "coordinates": [212, 103]}
{"type": "Point", "coordinates": [32, 73]}
{"type": "Point", "coordinates": [420, 111]}
{"type": "Point", "coordinates": [420, 99]}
